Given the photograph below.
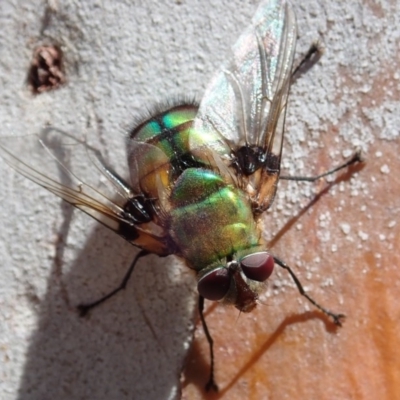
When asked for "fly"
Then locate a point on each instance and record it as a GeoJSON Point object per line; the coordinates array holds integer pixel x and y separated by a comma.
{"type": "Point", "coordinates": [200, 175]}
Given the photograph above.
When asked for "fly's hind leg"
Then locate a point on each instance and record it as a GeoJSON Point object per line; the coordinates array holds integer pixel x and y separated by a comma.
{"type": "Point", "coordinates": [312, 56]}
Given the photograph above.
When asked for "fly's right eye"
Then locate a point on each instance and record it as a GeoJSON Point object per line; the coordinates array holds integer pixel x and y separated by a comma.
{"type": "Point", "coordinates": [214, 285]}
{"type": "Point", "coordinates": [258, 266]}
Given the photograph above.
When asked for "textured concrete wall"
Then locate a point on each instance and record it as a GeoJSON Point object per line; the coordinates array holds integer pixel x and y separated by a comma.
{"type": "Point", "coordinates": [122, 57]}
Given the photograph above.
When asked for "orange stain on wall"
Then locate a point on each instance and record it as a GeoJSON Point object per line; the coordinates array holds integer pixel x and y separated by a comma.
{"type": "Point", "coordinates": [286, 349]}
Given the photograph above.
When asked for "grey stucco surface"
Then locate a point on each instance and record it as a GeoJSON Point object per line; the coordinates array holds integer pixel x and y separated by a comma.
{"type": "Point", "coordinates": [122, 57]}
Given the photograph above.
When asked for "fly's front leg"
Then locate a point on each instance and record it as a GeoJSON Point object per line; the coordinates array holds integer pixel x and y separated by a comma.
{"type": "Point", "coordinates": [85, 308]}
{"type": "Point", "coordinates": [356, 158]}
{"type": "Point", "coordinates": [211, 382]}
{"type": "Point", "coordinates": [337, 318]}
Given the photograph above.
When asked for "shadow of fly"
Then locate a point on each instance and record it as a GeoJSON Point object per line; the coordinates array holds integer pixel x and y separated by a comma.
{"type": "Point", "coordinates": [200, 175]}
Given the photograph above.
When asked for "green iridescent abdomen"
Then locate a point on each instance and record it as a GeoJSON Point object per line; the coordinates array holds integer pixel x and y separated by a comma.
{"type": "Point", "coordinates": [166, 145]}
{"type": "Point", "coordinates": [209, 219]}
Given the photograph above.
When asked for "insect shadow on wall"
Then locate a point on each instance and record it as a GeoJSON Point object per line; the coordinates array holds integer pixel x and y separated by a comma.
{"type": "Point", "coordinates": [200, 175]}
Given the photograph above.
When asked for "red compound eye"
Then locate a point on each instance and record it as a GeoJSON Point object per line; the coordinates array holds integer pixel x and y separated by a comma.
{"type": "Point", "coordinates": [258, 266]}
{"type": "Point", "coordinates": [214, 285]}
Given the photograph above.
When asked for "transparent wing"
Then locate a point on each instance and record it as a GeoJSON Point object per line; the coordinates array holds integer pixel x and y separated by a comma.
{"type": "Point", "coordinates": [245, 103]}
{"type": "Point", "coordinates": [56, 161]}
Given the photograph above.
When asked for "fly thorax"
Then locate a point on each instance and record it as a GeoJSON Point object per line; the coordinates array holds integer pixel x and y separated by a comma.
{"type": "Point", "coordinates": [209, 219]}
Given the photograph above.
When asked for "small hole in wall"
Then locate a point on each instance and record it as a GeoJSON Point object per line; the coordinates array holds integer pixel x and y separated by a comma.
{"type": "Point", "coordinates": [46, 71]}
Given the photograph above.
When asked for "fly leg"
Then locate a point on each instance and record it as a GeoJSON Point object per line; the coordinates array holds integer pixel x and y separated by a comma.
{"type": "Point", "coordinates": [85, 308]}
{"type": "Point", "coordinates": [357, 158]}
{"type": "Point", "coordinates": [211, 383]}
{"type": "Point", "coordinates": [312, 56]}
{"type": "Point", "coordinates": [337, 318]}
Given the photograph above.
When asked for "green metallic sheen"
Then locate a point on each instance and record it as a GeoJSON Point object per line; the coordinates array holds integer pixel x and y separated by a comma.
{"type": "Point", "coordinates": [173, 134]}
{"type": "Point", "coordinates": [172, 137]}
{"type": "Point", "coordinates": [168, 121]}
{"type": "Point", "coordinates": [211, 228]}
{"type": "Point", "coordinates": [149, 130]}
{"type": "Point", "coordinates": [175, 118]}
{"type": "Point", "coordinates": [195, 185]}
{"type": "Point", "coordinates": [207, 218]}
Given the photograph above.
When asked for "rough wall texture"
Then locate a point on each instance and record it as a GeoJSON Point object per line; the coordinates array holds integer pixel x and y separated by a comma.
{"type": "Point", "coordinates": [122, 57]}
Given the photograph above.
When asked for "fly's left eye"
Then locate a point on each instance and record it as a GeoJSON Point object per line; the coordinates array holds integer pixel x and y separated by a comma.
{"type": "Point", "coordinates": [258, 266]}
{"type": "Point", "coordinates": [214, 285]}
